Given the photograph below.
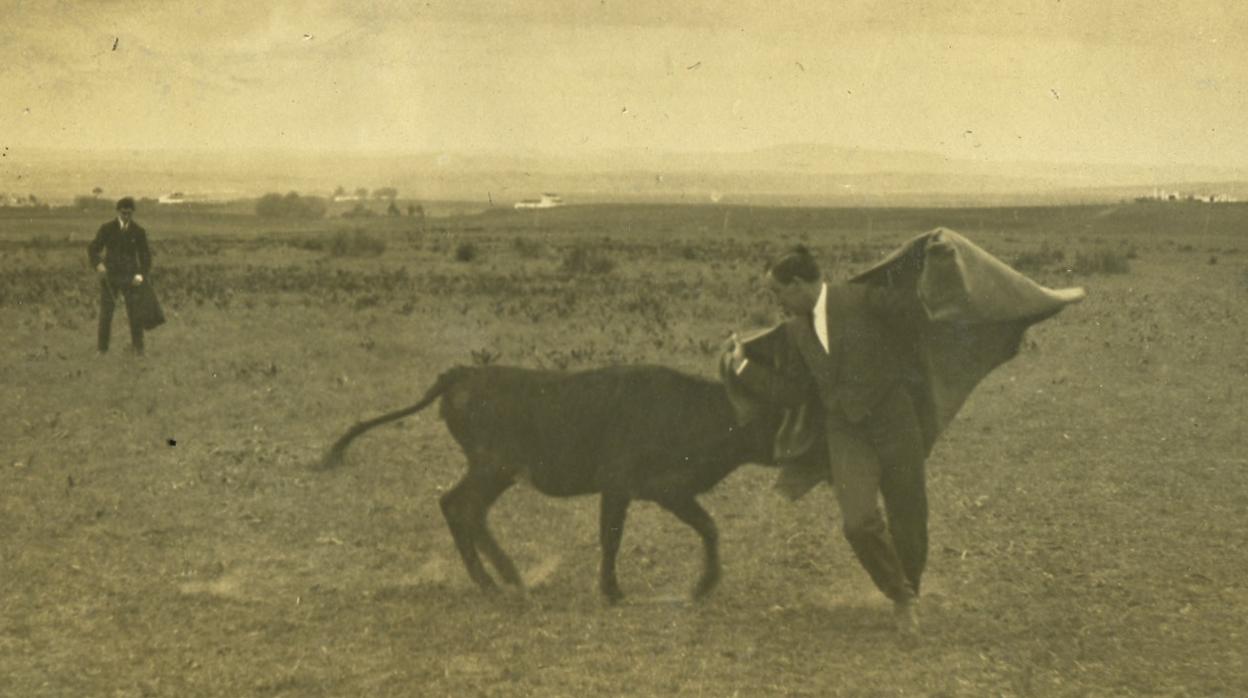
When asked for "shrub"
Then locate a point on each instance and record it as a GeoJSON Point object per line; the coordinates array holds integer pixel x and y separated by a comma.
{"type": "Point", "coordinates": [290, 206]}
{"type": "Point", "coordinates": [92, 203]}
{"type": "Point", "coordinates": [1101, 261]}
{"type": "Point", "coordinates": [360, 211]}
{"type": "Point", "coordinates": [484, 356]}
{"type": "Point", "coordinates": [465, 252]}
{"type": "Point", "coordinates": [582, 260]}
{"type": "Point", "coordinates": [357, 243]}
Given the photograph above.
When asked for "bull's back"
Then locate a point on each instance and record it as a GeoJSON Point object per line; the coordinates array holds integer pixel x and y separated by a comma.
{"type": "Point", "coordinates": [570, 432]}
{"type": "Point", "coordinates": [544, 424]}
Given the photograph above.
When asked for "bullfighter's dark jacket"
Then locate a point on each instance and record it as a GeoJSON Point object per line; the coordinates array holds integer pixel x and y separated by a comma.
{"type": "Point", "coordinates": [872, 333]}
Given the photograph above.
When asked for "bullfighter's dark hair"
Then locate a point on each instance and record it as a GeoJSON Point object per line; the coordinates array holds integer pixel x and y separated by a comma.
{"type": "Point", "coordinates": [125, 202]}
{"type": "Point", "coordinates": [795, 263]}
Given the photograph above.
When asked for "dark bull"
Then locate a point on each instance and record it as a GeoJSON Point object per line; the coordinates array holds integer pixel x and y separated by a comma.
{"type": "Point", "coordinates": [627, 432]}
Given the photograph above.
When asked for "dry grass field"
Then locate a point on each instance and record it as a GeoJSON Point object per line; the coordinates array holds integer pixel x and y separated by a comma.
{"type": "Point", "coordinates": [162, 535]}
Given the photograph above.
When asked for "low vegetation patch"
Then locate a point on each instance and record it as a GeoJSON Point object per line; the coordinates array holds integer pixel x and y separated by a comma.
{"type": "Point", "coordinates": [1040, 259]}
{"type": "Point", "coordinates": [583, 260]}
{"type": "Point", "coordinates": [526, 248]}
{"type": "Point", "coordinates": [356, 243]}
{"type": "Point", "coordinates": [290, 206]}
{"type": "Point", "coordinates": [1101, 261]}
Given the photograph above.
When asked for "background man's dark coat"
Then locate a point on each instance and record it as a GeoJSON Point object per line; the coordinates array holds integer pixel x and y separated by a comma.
{"type": "Point", "coordinates": [123, 252]}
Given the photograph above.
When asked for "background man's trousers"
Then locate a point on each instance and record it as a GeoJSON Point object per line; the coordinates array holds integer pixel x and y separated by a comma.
{"type": "Point", "coordinates": [108, 302]}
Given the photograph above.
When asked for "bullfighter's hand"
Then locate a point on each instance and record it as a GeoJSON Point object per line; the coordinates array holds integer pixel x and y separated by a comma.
{"type": "Point", "coordinates": [138, 279]}
{"type": "Point", "coordinates": [101, 268]}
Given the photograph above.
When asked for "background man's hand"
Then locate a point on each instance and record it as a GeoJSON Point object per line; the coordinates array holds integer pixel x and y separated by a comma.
{"type": "Point", "coordinates": [101, 268]}
{"type": "Point", "coordinates": [138, 279]}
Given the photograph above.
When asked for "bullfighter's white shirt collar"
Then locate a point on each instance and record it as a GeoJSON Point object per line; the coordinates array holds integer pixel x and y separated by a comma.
{"type": "Point", "coordinates": [821, 317]}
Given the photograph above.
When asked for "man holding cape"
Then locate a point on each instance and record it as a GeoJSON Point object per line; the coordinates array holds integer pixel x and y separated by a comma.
{"type": "Point", "coordinates": [869, 373]}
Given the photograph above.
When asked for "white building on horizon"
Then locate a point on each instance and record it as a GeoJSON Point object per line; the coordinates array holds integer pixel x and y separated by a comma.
{"type": "Point", "coordinates": [1160, 194]}
{"type": "Point", "coordinates": [547, 201]}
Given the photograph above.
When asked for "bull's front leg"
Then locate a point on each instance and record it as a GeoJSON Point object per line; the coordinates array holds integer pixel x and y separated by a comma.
{"type": "Point", "coordinates": [611, 514]}
{"type": "Point", "coordinates": [689, 511]}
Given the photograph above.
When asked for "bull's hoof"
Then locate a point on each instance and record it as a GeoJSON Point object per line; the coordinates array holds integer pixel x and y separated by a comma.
{"type": "Point", "coordinates": [704, 588]}
{"type": "Point", "coordinates": [906, 620]}
{"type": "Point", "coordinates": [611, 592]}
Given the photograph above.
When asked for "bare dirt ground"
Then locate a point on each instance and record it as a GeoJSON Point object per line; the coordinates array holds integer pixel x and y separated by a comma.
{"type": "Point", "coordinates": [161, 535]}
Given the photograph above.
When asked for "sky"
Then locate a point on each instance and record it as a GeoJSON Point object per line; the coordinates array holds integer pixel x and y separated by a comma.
{"type": "Point", "coordinates": [1105, 81]}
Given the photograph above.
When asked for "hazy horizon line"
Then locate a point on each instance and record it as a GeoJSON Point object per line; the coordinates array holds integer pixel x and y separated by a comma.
{"type": "Point", "coordinates": [375, 152]}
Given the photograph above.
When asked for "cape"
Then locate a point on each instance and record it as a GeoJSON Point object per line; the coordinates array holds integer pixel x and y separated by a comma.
{"type": "Point", "coordinates": [978, 309]}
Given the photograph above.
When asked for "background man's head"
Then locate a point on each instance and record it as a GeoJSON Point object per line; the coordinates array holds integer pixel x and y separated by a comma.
{"type": "Point", "coordinates": [125, 208]}
{"type": "Point", "coordinates": [794, 279]}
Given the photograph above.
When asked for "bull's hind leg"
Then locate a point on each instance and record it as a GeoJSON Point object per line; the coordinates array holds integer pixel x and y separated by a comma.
{"type": "Point", "coordinates": [688, 510]}
{"type": "Point", "coordinates": [611, 514]}
{"type": "Point", "coordinates": [484, 539]}
{"type": "Point", "coordinates": [457, 506]}
{"type": "Point", "coordinates": [464, 508]}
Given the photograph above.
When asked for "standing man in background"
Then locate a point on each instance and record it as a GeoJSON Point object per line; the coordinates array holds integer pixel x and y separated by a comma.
{"type": "Point", "coordinates": [121, 258]}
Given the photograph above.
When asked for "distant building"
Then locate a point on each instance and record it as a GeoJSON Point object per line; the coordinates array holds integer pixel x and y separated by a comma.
{"type": "Point", "coordinates": [1163, 195]}
{"type": "Point", "coordinates": [176, 197]}
{"type": "Point", "coordinates": [18, 201]}
{"type": "Point", "coordinates": [547, 201]}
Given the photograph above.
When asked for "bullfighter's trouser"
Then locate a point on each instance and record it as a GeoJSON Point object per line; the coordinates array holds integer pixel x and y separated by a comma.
{"type": "Point", "coordinates": [108, 294]}
{"type": "Point", "coordinates": [883, 454]}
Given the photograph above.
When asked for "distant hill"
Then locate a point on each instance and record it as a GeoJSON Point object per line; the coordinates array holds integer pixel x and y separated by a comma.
{"type": "Point", "coordinates": [794, 174]}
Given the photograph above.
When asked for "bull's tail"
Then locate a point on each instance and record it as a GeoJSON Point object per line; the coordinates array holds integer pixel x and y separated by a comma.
{"type": "Point", "coordinates": [334, 457]}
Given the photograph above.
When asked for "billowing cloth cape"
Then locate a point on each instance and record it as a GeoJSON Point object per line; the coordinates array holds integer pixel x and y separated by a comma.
{"type": "Point", "coordinates": [977, 309]}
